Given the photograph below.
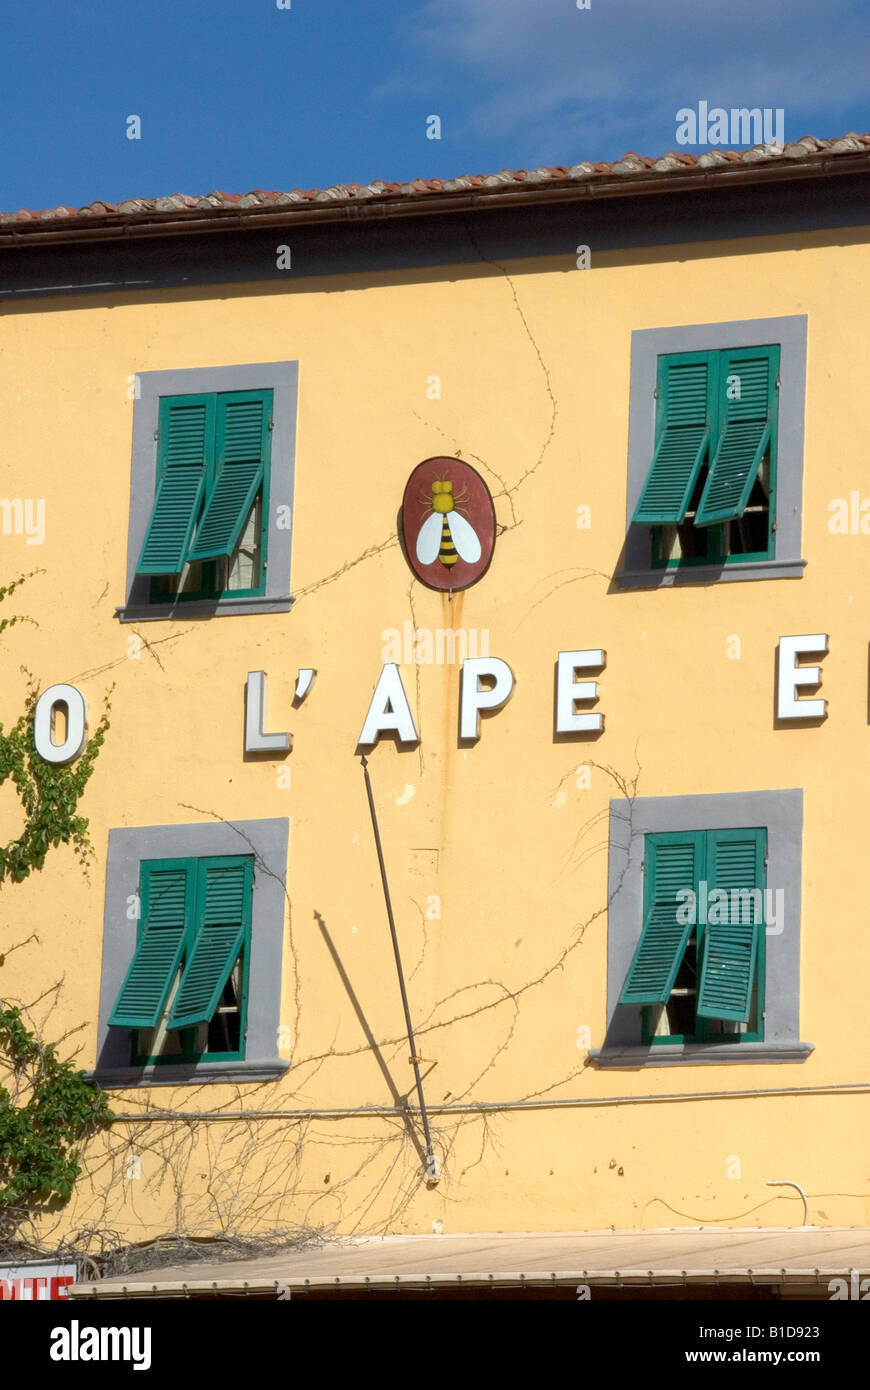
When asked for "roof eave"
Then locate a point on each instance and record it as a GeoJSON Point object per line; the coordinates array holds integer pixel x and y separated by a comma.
{"type": "Point", "coordinates": [811, 1280]}
{"type": "Point", "coordinates": [636, 184]}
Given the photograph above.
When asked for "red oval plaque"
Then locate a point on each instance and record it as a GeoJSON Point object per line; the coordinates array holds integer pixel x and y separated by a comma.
{"type": "Point", "coordinates": [448, 522]}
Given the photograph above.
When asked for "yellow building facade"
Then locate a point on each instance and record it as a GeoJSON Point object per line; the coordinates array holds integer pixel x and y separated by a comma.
{"type": "Point", "coordinates": [530, 340]}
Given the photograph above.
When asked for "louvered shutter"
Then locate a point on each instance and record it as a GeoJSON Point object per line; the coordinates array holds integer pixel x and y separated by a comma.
{"type": "Point", "coordinates": [223, 913]}
{"type": "Point", "coordinates": [746, 424]}
{"type": "Point", "coordinates": [242, 453]}
{"type": "Point", "coordinates": [673, 863]}
{"type": "Point", "coordinates": [167, 897]}
{"type": "Point", "coordinates": [735, 863]}
{"type": "Point", "coordinates": [685, 384]}
{"type": "Point", "coordinates": [185, 447]}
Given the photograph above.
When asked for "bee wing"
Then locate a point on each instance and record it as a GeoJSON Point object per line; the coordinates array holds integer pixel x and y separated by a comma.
{"type": "Point", "coordinates": [429, 539]}
{"type": "Point", "coordinates": [464, 537]}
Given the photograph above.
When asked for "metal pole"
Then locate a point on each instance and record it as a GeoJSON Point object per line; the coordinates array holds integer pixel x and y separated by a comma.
{"type": "Point", "coordinates": [431, 1161]}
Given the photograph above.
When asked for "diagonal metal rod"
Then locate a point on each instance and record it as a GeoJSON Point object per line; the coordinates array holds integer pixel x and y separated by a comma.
{"type": "Point", "coordinates": [414, 1062]}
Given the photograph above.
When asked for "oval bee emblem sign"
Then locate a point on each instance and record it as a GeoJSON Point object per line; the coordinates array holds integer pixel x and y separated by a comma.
{"type": "Point", "coordinates": [448, 522]}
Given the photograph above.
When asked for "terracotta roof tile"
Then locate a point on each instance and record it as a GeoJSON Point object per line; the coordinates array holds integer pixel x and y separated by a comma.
{"type": "Point", "coordinates": [183, 206]}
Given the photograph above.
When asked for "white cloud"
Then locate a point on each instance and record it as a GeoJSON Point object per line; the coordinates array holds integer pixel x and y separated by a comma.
{"type": "Point", "coordinates": [552, 77]}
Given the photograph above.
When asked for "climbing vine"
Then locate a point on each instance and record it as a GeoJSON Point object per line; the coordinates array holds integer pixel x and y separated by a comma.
{"type": "Point", "coordinates": [47, 1109]}
{"type": "Point", "coordinates": [49, 794]}
{"type": "Point", "coordinates": [50, 1112]}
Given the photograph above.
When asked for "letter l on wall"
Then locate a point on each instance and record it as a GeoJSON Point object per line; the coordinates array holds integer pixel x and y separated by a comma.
{"type": "Point", "coordinates": [256, 738]}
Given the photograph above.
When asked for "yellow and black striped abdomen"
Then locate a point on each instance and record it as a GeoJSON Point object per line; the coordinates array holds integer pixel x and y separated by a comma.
{"type": "Point", "coordinates": [447, 554]}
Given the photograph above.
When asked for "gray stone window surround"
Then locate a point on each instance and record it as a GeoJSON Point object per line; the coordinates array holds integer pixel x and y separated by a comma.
{"type": "Point", "coordinates": [267, 840]}
{"type": "Point", "coordinates": [647, 345]}
{"type": "Point", "coordinates": [282, 378]}
{"type": "Point", "coordinates": [781, 813]}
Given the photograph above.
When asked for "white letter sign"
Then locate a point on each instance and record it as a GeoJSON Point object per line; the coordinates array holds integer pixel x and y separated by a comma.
{"type": "Point", "coordinates": [389, 710]}
{"type": "Point", "coordinates": [76, 724]}
{"type": "Point", "coordinates": [256, 738]}
{"type": "Point", "coordinates": [569, 689]}
{"type": "Point", "coordinates": [788, 706]}
{"type": "Point", "coordinates": [472, 699]}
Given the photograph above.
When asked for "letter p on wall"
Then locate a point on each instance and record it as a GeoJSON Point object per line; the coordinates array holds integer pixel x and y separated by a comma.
{"type": "Point", "coordinates": [473, 698]}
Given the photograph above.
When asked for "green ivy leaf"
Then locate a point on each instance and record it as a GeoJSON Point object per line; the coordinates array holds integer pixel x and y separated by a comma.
{"type": "Point", "coordinates": [40, 1138]}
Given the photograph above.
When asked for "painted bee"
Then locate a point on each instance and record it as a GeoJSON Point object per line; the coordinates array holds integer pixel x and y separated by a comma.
{"type": "Point", "coordinates": [446, 535]}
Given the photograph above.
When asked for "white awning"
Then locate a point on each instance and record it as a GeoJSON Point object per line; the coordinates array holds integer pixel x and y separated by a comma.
{"type": "Point", "coordinates": [790, 1258]}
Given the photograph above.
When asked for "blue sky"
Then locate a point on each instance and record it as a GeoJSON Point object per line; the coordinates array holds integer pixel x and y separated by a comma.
{"type": "Point", "coordinates": [239, 94]}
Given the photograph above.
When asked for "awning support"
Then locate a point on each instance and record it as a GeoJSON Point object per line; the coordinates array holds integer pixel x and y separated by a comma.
{"type": "Point", "coordinates": [432, 1165]}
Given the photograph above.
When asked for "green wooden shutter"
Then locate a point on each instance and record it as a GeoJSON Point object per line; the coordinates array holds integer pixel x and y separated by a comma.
{"type": "Point", "coordinates": [243, 437]}
{"type": "Point", "coordinates": [735, 861]}
{"type": "Point", "coordinates": [223, 915]}
{"type": "Point", "coordinates": [185, 448]}
{"type": "Point", "coordinates": [167, 895]}
{"type": "Point", "coordinates": [685, 399]}
{"type": "Point", "coordinates": [673, 862]}
{"type": "Point", "coordinates": [746, 426]}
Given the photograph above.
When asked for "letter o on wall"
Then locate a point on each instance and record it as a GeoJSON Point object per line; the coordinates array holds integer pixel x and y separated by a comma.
{"type": "Point", "coordinates": [76, 724]}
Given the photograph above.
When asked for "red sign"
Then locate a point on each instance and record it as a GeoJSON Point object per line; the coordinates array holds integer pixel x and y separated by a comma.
{"type": "Point", "coordinates": [448, 522]}
{"type": "Point", "coordinates": [35, 1282]}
